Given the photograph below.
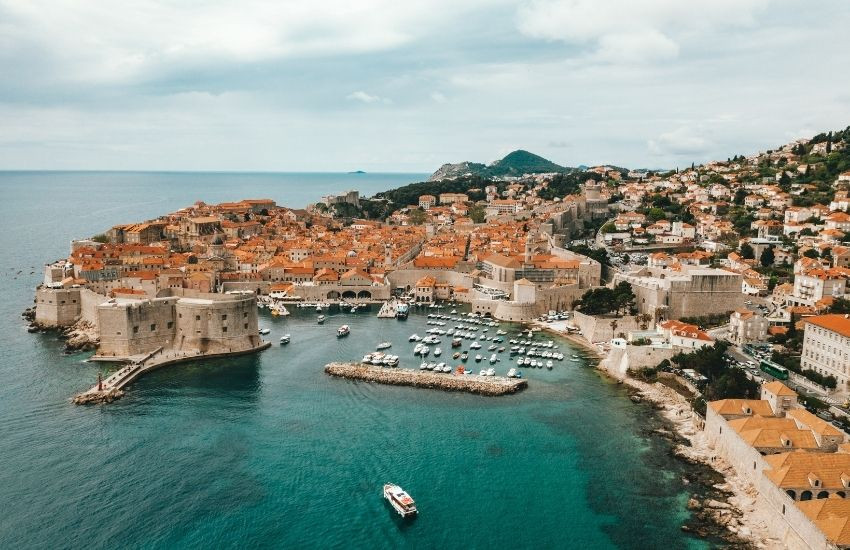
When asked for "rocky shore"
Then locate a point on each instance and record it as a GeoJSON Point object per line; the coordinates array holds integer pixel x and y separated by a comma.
{"type": "Point", "coordinates": [90, 398]}
{"type": "Point", "coordinates": [81, 336]}
{"type": "Point", "coordinates": [482, 385]}
{"type": "Point", "coordinates": [722, 503]}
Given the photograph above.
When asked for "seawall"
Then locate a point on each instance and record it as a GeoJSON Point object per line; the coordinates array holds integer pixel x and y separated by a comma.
{"type": "Point", "coordinates": [482, 385]}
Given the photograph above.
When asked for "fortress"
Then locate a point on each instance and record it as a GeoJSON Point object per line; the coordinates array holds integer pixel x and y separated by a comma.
{"type": "Point", "coordinates": [179, 320]}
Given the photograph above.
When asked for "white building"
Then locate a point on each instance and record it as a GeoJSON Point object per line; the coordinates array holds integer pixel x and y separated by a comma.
{"type": "Point", "coordinates": [826, 347]}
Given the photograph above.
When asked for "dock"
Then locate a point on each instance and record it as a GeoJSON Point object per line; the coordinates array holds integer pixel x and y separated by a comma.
{"type": "Point", "coordinates": [112, 387]}
{"type": "Point", "coordinates": [387, 310]}
{"type": "Point", "coordinates": [470, 383]}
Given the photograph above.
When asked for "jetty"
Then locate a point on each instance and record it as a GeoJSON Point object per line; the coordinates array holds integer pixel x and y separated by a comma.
{"type": "Point", "coordinates": [111, 388]}
{"type": "Point", "coordinates": [471, 383]}
{"type": "Point", "coordinates": [387, 311]}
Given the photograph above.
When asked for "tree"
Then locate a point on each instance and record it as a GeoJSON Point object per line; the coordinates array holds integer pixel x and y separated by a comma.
{"type": "Point", "coordinates": [768, 256]}
{"type": "Point", "coordinates": [840, 305]}
{"type": "Point", "coordinates": [810, 253]}
{"type": "Point", "coordinates": [747, 251]}
{"type": "Point", "coordinates": [477, 214]}
{"type": "Point", "coordinates": [417, 216]}
{"type": "Point", "coordinates": [608, 228]}
{"type": "Point", "coordinates": [655, 214]}
{"type": "Point", "coordinates": [100, 238]}
{"type": "Point", "coordinates": [740, 195]}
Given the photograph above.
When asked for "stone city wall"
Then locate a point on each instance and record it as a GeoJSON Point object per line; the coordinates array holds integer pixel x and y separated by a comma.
{"type": "Point", "coordinates": [57, 307]}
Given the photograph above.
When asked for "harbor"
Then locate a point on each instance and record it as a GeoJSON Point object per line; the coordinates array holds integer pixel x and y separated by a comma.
{"type": "Point", "coordinates": [470, 383]}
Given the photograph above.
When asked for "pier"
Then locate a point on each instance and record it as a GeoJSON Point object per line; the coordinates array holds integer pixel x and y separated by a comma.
{"type": "Point", "coordinates": [471, 383]}
{"type": "Point", "coordinates": [111, 388]}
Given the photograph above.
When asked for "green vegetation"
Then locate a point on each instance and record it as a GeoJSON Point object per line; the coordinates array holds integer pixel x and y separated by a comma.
{"type": "Point", "coordinates": [708, 321]}
{"type": "Point", "coordinates": [100, 238]}
{"type": "Point", "coordinates": [723, 381]}
{"type": "Point", "coordinates": [599, 301]}
{"type": "Point", "coordinates": [566, 184]}
{"type": "Point", "coordinates": [598, 254]}
{"type": "Point", "coordinates": [477, 214]}
{"type": "Point", "coordinates": [840, 305]}
{"type": "Point", "coordinates": [409, 194]}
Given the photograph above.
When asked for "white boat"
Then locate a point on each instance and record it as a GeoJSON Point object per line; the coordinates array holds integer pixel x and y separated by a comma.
{"type": "Point", "coordinates": [478, 358]}
{"type": "Point", "coordinates": [318, 308]}
{"type": "Point", "coordinates": [493, 358]}
{"type": "Point", "coordinates": [367, 358]}
{"type": "Point", "coordinates": [454, 311]}
{"type": "Point", "coordinates": [344, 330]}
{"type": "Point", "coordinates": [383, 345]}
{"type": "Point", "coordinates": [549, 364]}
{"type": "Point", "coordinates": [423, 366]}
{"type": "Point", "coordinates": [400, 500]}
{"type": "Point", "coordinates": [482, 372]}
{"type": "Point", "coordinates": [437, 352]}
{"type": "Point", "coordinates": [320, 319]}
{"type": "Point", "coordinates": [284, 339]}
{"type": "Point", "coordinates": [491, 372]}
{"type": "Point", "coordinates": [265, 331]}
{"type": "Point", "coordinates": [474, 345]}
{"type": "Point", "coordinates": [575, 359]}
{"type": "Point", "coordinates": [511, 372]}
{"type": "Point", "coordinates": [414, 338]}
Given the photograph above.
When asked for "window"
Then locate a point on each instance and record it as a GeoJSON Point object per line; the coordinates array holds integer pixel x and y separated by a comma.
{"type": "Point", "coordinates": [170, 324]}
{"type": "Point", "coordinates": [153, 327]}
{"type": "Point", "coordinates": [223, 329]}
{"type": "Point", "coordinates": [197, 317]}
{"type": "Point", "coordinates": [135, 330]}
{"type": "Point", "coordinates": [245, 316]}
{"type": "Point", "coordinates": [246, 326]}
{"type": "Point", "coordinates": [224, 317]}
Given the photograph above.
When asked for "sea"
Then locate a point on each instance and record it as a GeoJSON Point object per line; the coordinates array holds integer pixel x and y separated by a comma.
{"type": "Point", "coordinates": [266, 451]}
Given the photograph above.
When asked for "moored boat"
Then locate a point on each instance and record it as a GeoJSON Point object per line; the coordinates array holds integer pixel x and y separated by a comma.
{"type": "Point", "coordinates": [344, 330]}
{"type": "Point", "coordinates": [320, 319]}
{"type": "Point", "coordinates": [284, 339]}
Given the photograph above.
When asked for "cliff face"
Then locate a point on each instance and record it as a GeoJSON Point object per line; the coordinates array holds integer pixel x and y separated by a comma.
{"type": "Point", "coordinates": [448, 171]}
{"type": "Point", "coordinates": [516, 163]}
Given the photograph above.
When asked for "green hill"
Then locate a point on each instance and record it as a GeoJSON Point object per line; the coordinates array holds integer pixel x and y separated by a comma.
{"type": "Point", "coordinates": [516, 163]}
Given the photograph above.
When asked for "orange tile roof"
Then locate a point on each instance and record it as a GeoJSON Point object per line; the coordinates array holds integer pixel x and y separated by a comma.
{"type": "Point", "coordinates": [833, 322]}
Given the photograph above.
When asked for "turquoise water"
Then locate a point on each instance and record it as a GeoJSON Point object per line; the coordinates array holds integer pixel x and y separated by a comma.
{"type": "Point", "coordinates": [267, 451]}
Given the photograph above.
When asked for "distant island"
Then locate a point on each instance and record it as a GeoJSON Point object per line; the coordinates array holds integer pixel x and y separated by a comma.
{"type": "Point", "coordinates": [357, 172]}
{"type": "Point", "coordinates": [516, 163]}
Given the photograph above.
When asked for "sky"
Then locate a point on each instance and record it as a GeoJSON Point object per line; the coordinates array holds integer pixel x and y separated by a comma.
{"type": "Point", "coordinates": [383, 85]}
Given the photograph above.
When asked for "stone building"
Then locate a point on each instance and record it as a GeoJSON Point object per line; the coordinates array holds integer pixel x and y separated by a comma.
{"type": "Point", "coordinates": [747, 326]}
{"type": "Point", "coordinates": [689, 291]}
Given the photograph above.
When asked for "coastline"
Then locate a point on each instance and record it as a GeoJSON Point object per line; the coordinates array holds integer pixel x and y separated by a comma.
{"type": "Point", "coordinates": [733, 506]}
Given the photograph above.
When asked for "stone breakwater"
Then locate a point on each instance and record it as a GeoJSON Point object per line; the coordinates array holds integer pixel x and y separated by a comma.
{"type": "Point", "coordinates": [482, 385]}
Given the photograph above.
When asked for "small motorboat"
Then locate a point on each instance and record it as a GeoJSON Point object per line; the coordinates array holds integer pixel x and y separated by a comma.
{"type": "Point", "coordinates": [456, 355]}
{"type": "Point", "coordinates": [265, 331]}
{"type": "Point", "coordinates": [437, 352]}
{"type": "Point", "coordinates": [464, 356]}
{"type": "Point", "coordinates": [478, 358]}
{"type": "Point", "coordinates": [549, 364]}
{"type": "Point", "coordinates": [284, 339]}
{"type": "Point", "coordinates": [383, 345]}
{"type": "Point", "coordinates": [320, 319]}
{"type": "Point", "coordinates": [400, 500]}
{"type": "Point", "coordinates": [344, 330]}
{"type": "Point", "coordinates": [491, 372]}
{"type": "Point", "coordinates": [414, 338]}
{"type": "Point", "coordinates": [482, 372]}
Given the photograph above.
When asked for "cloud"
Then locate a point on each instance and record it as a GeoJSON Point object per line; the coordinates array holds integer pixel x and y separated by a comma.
{"type": "Point", "coordinates": [439, 97]}
{"type": "Point", "coordinates": [682, 141]}
{"type": "Point", "coordinates": [631, 31]}
{"type": "Point", "coordinates": [362, 96]}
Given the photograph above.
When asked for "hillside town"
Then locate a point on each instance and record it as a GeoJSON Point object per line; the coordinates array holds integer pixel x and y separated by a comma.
{"type": "Point", "coordinates": [729, 278]}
